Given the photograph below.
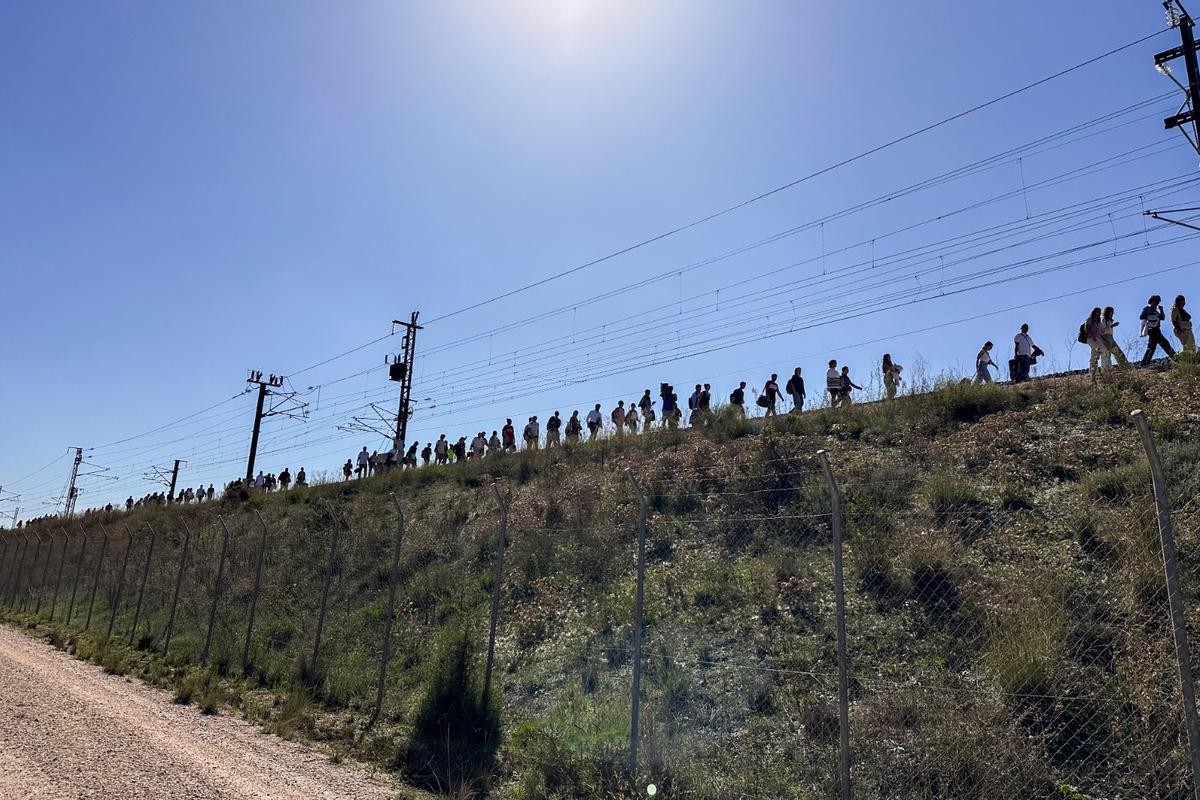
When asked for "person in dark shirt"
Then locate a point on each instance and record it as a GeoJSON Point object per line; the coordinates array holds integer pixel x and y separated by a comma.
{"type": "Point", "coordinates": [737, 398]}
{"type": "Point", "coordinates": [795, 389]}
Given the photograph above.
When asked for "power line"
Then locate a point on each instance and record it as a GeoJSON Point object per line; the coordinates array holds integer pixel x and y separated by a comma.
{"type": "Point", "coordinates": [796, 182]}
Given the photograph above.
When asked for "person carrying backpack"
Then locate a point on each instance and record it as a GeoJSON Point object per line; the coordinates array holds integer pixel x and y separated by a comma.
{"type": "Point", "coordinates": [618, 418]}
{"type": "Point", "coordinates": [552, 426]}
{"type": "Point", "coordinates": [795, 390]}
{"type": "Point", "coordinates": [574, 428]}
{"type": "Point", "coordinates": [1093, 330]}
{"type": "Point", "coordinates": [1152, 317]}
{"type": "Point", "coordinates": [631, 419]}
{"type": "Point", "coordinates": [441, 450]}
{"type": "Point", "coordinates": [1181, 323]}
{"type": "Point", "coordinates": [833, 384]}
{"type": "Point", "coordinates": [302, 477]}
{"type": "Point", "coordinates": [426, 454]}
{"type": "Point", "coordinates": [670, 405]}
{"type": "Point", "coordinates": [595, 420]}
{"type": "Point", "coordinates": [410, 457]}
{"type": "Point", "coordinates": [532, 434]}
{"type": "Point", "coordinates": [347, 469]}
{"type": "Point", "coordinates": [737, 398]}
{"type": "Point", "coordinates": [693, 404]}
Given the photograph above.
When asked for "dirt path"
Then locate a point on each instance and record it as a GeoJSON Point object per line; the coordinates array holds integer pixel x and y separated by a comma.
{"type": "Point", "coordinates": [67, 730]}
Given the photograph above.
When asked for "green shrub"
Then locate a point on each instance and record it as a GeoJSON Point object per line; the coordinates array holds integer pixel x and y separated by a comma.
{"type": "Point", "coordinates": [456, 727]}
{"type": "Point", "coordinates": [1119, 484]}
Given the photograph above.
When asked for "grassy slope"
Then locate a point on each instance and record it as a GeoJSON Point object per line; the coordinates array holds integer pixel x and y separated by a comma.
{"type": "Point", "coordinates": [1006, 624]}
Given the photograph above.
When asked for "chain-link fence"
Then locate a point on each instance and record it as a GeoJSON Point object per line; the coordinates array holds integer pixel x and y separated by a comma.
{"type": "Point", "coordinates": [761, 627]}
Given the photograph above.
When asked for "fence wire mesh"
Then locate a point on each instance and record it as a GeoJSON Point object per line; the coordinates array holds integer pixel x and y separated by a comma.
{"type": "Point", "coordinates": [999, 643]}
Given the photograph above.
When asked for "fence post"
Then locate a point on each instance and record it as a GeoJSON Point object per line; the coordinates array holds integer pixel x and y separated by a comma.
{"type": "Point", "coordinates": [96, 583]}
{"type": "Point", "coordinates": [75, 585]}
{"type": "Point", "coordinates": [45, 574]}
{"type": "Point", "coordinates": [112, 617]}
{"type": "Point", "coordinates": [333, 542]}
{"type": "Point", "coordinates": [1183, 653]}
{"type": "Point", "coordinates": [258, 569]}
{"type": "Point", "coordinates": [62, 560]}
{"type": "Point", "coordinates": [137, 614]}
{"type": "Point", "coordinates": [212, 614]}
{"type": "Point", "coordinates": [393, 579]}
{"type": "Point", "coordinates": [839, 591]}
{"type": "Point", "coordinates": [183, 553]}
{"type": "Point", "coordinates": [14, 580]}
{"type": "Point", "coordinates": [27, 594]}
{"type": "Point", "coordinates": [636, 702]}
{"type": "Point", "coordinates": [497, 579]}
{"type": "Point", "coordinates": [4, 564]}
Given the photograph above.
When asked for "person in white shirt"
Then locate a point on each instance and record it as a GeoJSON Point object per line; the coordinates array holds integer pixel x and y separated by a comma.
{"type": "Point", "coordinates": [594, 421]}
{"type": "Point", "coordinates": [478, 445]}
{"type": "Point", "coordinates": [364, 463]}
{"type": "Point", "coordinates": [1023, 353]}
{"type": "Point", "coordinates": [631, 418]}
{"type": "Point", "coordinates": [833, 384]}
{"type": "Point", "coordinates": [533, 433]}
{"type": "Point", "coordinates": [493, 444]}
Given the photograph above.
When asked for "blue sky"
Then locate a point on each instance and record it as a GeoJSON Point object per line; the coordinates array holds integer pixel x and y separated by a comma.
{"type": "Point", "coordinates": [195, 190]}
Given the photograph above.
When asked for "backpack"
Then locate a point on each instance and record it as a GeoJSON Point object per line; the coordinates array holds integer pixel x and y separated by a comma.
{"type": "Point", "coordinates": [1083, 333]}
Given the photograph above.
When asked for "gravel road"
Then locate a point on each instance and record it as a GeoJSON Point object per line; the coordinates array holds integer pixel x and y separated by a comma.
{"type": "Point", "coordinates": [67, 730]}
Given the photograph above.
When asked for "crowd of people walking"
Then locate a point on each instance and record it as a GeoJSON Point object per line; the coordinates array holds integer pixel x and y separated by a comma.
{"type": "Point", "coordinates": [1097, 331]}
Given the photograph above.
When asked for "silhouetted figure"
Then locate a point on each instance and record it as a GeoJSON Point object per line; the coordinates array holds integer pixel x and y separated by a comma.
{"type": "Point", "coordinates": [1152, 317]}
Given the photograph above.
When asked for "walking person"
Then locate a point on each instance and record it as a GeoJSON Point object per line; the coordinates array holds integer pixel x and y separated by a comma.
{"type": "Point", "coordinates": [631, 420]}
{"type": "Point", "coordinates": [845, 384]}
{"type": "Point", "coordinates": [704, 405]}
{"type": "Point", "coordinates": [1023, 348]}
{"type": "Point", "coordinates": [693, 406]}
{"type": "Point", "coordinates": [410, 456]}
{"type": "Point", "coordinates": [478, 445]}
{"type": "Point", "coordinates": [364, 463]}
{"type": "Point", "coordinates": [426, 454]}
{"type": "Point", "coordinates": [795, 389]}
{"type": "Point", "coordinates": [285, 480]}
{"type": "Point", "coordinates": [552, 427]}
{"type": "Point", "coordinates": [595, 421]}
{"type": "Point", "coordinates": [441, 450]}
{"type": "Point", "coordinates": [211, 493]}
{"type": "Point", "coordinates": [459, 449]}
{"type": "Point", "coordinates": [618, 419]}
{"type": "Point", "coordinates": [737, 398]}
{"type": "Point", "coordinates": [508, 435]}
{"type": "Point", "coordinates": [648, 417]}
{"type": "Point", "coordinates": [771, 393]}
{"type": "Point", "coordinates": [645, 403]}
{"type": "Point", "coordinates": [1181, 323]}
{"type": "Point", "coordinates": [533, 434]}
{"type": "Point", "coordinates": [1110, 341]}
{"type": "Point", "coordinates": [1093, 331]}
{"type": "Point", "coordinates": [494, 445]}
{"type": "Point", "coordinates": [301, 478]}
{"type": "Point", "coordinates": [347, 469]}
{"type": "Point", "coordinates": [983, 361]}
{"type": "Point", "coordinates": [670, 406]}
{"type": "Point", "coordinates": [833, 384]}
{"type": "Point", "coordinates": [574, 428]}
{"type": "Point", "coordinates": [1152, 316]}
{"type": "Point", "coordinates": [891, 376]}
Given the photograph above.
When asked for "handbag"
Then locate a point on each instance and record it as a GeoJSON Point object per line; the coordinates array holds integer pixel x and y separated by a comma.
{"type": "Point", "coordinates": [762, 401]}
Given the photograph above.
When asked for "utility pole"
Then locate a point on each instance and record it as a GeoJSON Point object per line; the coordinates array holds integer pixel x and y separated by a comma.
{"type": "Point", "coordinates": [72, 491]}
{"type": "Point", "coordinates": [174, 478]}
{"type": "Point", "coordinates": [1178, 17]}
{"type": "Point", "coordinates": [273, 381]}
{"type": "Point", "coordinates": [401, 370]}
